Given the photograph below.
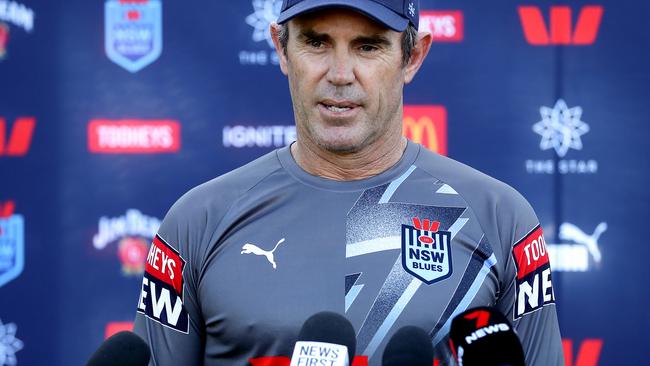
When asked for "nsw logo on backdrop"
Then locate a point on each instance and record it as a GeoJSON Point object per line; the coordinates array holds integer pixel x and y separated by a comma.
{"type": "Point", "coordinates": [426, 252]}
{"type": "Point", "coordinates": [133, 32]}
{"type": "Point", "coordinates": [12, 243]}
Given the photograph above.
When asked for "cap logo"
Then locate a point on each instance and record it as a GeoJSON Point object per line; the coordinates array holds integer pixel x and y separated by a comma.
{"type": "Point", "coordinates": [411, 9]}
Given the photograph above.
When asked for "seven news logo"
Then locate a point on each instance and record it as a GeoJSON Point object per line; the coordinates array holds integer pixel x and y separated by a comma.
{"type": "Point", "coordinates": [559, 30]}
{"type": "Point", "coordinates": [444, 25]}
{"type": "Point", "coordinates": [17, 142]}
{"type": "Point", "coordinates": [426, 125]}
{"type": "Point", "coordinates": [134, 136]}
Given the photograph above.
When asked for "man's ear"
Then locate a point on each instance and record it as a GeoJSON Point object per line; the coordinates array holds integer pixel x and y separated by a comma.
{"type": "Point", "coordinates": [418, 54]}
{"type": "Point", "coordinates": [275, 36]}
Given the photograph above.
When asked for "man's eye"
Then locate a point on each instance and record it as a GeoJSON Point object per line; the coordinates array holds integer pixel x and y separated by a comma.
{"type": "Point", "coordinates": [368, 48]}
{"type": "Point", "coordinates": [315, 43]}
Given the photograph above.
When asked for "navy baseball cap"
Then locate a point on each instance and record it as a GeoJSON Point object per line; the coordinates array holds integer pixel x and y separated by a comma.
{"type": "Point", "coordinates": [395, 14]}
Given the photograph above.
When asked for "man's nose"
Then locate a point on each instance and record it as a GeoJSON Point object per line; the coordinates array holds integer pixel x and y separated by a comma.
{"type": "Point", "coordinates": [341, 68]}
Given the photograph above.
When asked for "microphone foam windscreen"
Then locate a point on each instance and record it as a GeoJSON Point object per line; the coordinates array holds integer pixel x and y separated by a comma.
{"type": "Point", "coordinates": [329, 327]}
{"type": "Point", "coordinates": [408, 346]}
{"type": "Point", "coordinates": [123, 348]}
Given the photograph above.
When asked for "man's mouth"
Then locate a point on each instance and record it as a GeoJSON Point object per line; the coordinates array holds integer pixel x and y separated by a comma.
{"type": "Point", "coordinates": [338, 106]}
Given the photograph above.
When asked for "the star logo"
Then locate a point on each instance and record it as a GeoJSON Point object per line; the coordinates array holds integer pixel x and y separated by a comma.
{"type": "Point", "coordinates": [561, 128]}
{"type": "Point", "coordinates": [412, 9]}
{"type": "Point", "coordinates": [266, 12]}
{"type": "Point", "coordinates": [9, 344]}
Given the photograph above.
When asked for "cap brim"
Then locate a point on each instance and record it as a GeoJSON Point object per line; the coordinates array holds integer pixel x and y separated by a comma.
{"type": "Point", "coordinates": [370, 8]}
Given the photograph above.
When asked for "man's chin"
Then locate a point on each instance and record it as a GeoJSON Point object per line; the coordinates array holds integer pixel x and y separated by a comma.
{"type": "Point", "coordinates": [342, 146]}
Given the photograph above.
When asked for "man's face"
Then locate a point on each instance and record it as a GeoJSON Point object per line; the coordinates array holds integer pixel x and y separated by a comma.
{"type": "Point", "coordinates": [346, 78]}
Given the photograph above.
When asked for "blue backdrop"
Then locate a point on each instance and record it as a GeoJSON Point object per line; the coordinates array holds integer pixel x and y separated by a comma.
{"type": "Point", "coordinates": [110, 110]}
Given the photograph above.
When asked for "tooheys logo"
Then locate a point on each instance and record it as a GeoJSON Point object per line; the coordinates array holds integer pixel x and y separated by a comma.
{"type": "Point", "coordinates": [161, 298]}
{"type": "Point", "coordinates": [426, 125]}
{"type": "Point", "coordinates": [559, 31]}
{"type": "Point", "coordinates": [134, 136]}
{"type": "Point", "coordinates": [534, 287]}
{"type": "Point", "coordinates": [20, 138]}
{"type": "Point", "coordinates": [444, 25]}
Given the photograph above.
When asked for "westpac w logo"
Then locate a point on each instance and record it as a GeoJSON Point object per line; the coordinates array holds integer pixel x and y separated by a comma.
{"type": "Point", "coordinates": [559, 30]}
{"type": "Point", "coordinates": [426, 252]}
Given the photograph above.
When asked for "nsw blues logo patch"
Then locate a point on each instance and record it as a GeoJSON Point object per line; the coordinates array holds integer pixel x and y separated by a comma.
{"type": "Point", "coordinates": [133, 32]}
{"type": "Point", "coordinates": [12, 247]}
{"type": "Point", "coordinates": [426, 251]}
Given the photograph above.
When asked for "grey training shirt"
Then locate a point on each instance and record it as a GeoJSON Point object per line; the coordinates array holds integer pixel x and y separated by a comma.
{"type": "Point", "coordinates": [241, 261]}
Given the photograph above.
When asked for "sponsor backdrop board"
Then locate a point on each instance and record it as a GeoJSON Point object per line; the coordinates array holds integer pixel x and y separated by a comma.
{"type": "Point", "coordinates": [110, 110]}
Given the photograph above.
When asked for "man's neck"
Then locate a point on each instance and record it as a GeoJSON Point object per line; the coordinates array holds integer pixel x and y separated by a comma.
{"type": "Point", "coordinates": [369, 162]}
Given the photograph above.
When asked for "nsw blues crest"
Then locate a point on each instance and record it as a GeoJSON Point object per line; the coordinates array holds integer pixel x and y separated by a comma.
{"type": "Point", "coordinates": [12, 248]}
{"type": "Point", "coordinates": [426, 251]}
{"type": "Point", "coordinates": [133, 32]}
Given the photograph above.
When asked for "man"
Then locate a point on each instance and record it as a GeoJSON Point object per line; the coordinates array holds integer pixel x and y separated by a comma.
{"type": "Point", "coordinates": [351, 218]}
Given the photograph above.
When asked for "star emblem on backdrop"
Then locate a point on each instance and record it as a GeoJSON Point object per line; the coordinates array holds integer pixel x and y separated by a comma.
{"type": "Point", "coordinates": [561, 128]}
{"type": "Point", "coordinates": [266, 12]}
{"type": "Point", "coordinates": [9, 344]}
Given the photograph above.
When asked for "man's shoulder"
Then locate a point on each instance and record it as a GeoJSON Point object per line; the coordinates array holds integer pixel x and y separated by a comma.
{"type": "Point", "coordinates": [472, 184]}
{"type": "Point", "coordinates": [221, 191]}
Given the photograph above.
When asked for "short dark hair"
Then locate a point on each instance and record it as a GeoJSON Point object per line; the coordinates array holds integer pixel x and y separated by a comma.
{"type": "Point", "coordinates": [409, 39]}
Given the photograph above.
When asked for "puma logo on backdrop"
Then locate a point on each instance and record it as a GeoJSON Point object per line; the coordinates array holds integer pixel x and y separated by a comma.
{"type": "Point", "coordinates": [254, 249]}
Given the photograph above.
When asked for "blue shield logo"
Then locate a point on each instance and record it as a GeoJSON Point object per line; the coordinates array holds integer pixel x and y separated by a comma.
{"type": "Point", "coordinates": [133, 33]}
{"type": "Point", "coordinates": [426, 254]}
{"type": "Point", "coordinates": [12, 248]}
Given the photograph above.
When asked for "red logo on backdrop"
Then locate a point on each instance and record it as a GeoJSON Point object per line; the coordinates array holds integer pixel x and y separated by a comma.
{"type": "Point", "coordinates": [6, 210]}
{"type": "Point", "coordinates": [588, 353]}
{"type": "Point", "coordinates": [4, 38]}
{"type": "Point", "coordinates": [560, 30]}
{"type": "Point", "coordinates": [116, 327]}
{"type": "Point", "coordinates": [426, 125]}
{"type": "Point", "coordinates": [133, 136]}
{"type": "Point", "coordinates": [20, 138]}
{"type": "Point", "coordinates": [534, 288]}
{"type": "Point", "coordinates": [133, 253]}
{"type": "Point", "coordinates": [444, 25]}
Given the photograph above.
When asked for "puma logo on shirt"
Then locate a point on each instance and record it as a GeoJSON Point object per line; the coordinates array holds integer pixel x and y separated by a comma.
{"type": "Point", "coordinates": [254, 249]}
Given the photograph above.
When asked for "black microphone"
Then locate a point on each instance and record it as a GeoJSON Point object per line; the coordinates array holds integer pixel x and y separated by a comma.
{"type": "Point", "coordinates": [483, 336]}
{"type": "Point", "coordinates": [326, 338]}
{"type": "Point", "coordinates": [408, 346]}
{"type": "Point", "coordinates": [123, 348]}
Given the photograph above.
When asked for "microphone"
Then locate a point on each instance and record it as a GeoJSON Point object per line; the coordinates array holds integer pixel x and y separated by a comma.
{"type": "Point", "coordinates": [123, 348]}
{"type": "Point", "coordinates": [325, 339]}
{"type": "Point", "coordinates": [483, 336]}
{"type": "Point", "coordinates": [411, 346]}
